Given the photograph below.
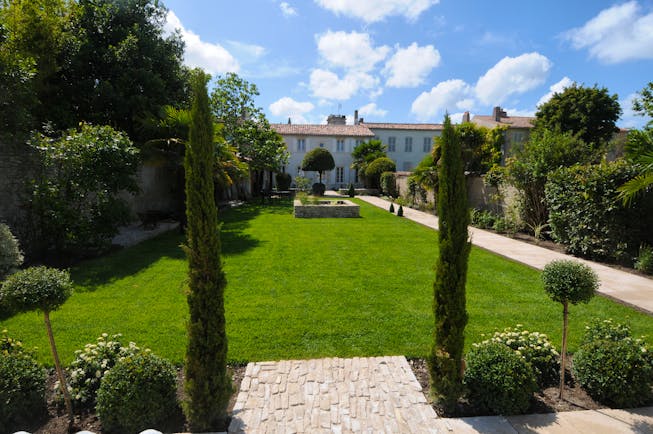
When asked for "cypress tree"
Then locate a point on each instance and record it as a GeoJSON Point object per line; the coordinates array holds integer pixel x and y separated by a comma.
{"type": "Point", "coordinates": [445, 360]}
{"type": "Point", "coordinates": [207, 384]}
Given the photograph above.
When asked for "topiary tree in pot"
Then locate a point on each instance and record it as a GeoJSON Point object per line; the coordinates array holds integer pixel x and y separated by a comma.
{"type": "Point", "coordinates": [318, 160]}
{"type": "Point", "coordinates": [45, 289]}
{"type": "Point", "coordinates": [567, 282]}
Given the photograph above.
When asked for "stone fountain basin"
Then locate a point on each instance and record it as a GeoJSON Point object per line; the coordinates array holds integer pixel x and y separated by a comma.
{"type": "Point", "coordinates": [326, 209]}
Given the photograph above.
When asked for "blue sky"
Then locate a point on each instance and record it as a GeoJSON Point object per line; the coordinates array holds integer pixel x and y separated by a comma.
{"type": "Point", "coordinates": [414, 60]}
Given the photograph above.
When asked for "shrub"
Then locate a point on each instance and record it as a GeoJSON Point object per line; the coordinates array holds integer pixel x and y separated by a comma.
{"type": "Point", "coordinates": [392, 208]}
{"type": "Point", "coordinates": [535, 349]}
{"type": "Point", "coordinates": [605, 330]}
{"type": "Point", "coordinates": [318, 160]}
{"type": "Point", "coordinates": [10, 255]}
{"type": "Point", "coordinates": [644, 261]}
{"type": "Point", "coordinates": [302, 183]}
{"type": "Point", "coordinates": [138, 393]}
{"type": "Point", "coordinates": [482, 218]}
{"type": "Point", "coordinates": [616, 373]}
{"type": "Point", "coordinates": [498, 380]}
{"type": "Point", "coordinates": [318, 189]}
{"type": "Point", "coordinates": [400, 211]}
{"type": "Point", "coordinates": [351, 192]}
{"type": "Point", "coordinates": [283, 181]}
{"type": "Point", "coordinates": [22, 388]}
{"type": "Point", "coordinates": [389, 184]}
{"type": "Point", "coordinates": [376, 168]}
{"type": "Point", "coordinates": [91, 365]}
{"type": "Point", "coordinates": [587, 217]}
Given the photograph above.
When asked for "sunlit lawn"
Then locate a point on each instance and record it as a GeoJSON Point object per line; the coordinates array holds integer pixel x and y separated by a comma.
{"type": "Point", "coordinates": [302, 288]}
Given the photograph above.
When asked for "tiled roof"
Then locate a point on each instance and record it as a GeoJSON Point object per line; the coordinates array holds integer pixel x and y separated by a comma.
{"type": "Point", "coordinates": [414, 127]}
{"type": "Point", "coordinates": [509, 121]}
{"type": "Point", "coordinates": [322, 130]}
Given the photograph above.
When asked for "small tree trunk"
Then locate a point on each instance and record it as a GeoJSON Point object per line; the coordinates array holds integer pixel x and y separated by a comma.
{"type": "Point", "coordinates": [563, 355]}
{"type": "Point", "coordinates": [57, 365]}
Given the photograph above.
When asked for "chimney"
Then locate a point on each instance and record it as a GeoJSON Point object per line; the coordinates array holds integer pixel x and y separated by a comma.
{"type": "Point", "coordinates": [336, 120]}
{"type": "Point", "coordinates": [465, 117]}
{"type": "Point", "coordinates": [289, 121]}
{"type": "Point", "coordinates": [355, 117]}
{"type": "Point", "coordinates": [360, 121]}
{"type": "Point", "coordinates": [496, 114]}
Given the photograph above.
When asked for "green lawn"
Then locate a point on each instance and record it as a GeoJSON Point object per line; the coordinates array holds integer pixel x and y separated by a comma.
{"type": "Point", "coordinates": [301, 288]}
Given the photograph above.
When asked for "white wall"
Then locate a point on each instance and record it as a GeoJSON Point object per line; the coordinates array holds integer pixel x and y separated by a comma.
{"type": "Point", "coordinates": [406, 161]}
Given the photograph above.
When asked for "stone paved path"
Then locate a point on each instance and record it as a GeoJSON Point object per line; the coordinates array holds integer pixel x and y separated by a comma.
{"type": "Point", "coordinates": [333, 395]}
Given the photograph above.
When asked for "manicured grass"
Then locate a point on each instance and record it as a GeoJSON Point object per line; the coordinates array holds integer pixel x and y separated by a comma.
{"type": "Point", "coordinates": [301, 288]}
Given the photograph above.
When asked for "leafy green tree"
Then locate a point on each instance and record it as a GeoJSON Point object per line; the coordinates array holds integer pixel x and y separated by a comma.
{"type": "Point", "coordinates": [568, 282]}
{"type": "Point", "coordinates": [643, 104]}
{"type": "Point", "coordinates": [374, 170]}
{"type": "Point", "coordinates": [449, 299]}
{"type": "Point", "coordinates": [389, 184]}
{"type": "Point", "coordinates": [318, 160]}
{"type": "Point", "coordinates": [44, 289]}
{"type": "Point", "coordinates": [589, 113]}
{"type": "Point", "coordinates": [366, 152]}
{"type": "Point", "coordinates": [544, 152]}
{"type": "Point", "coordinates": [75, 200]}
{"type": "Point", "coordinates": [207, 385]}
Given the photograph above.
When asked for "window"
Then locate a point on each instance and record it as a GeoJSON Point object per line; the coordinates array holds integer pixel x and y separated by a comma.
{"type": "Point", "coordinates": [301, 144]}
{"type": "Point", "coordinates": [391, 144]}
{"type": "Point", "coordinates": [427, 144]}
{"type": "Point", "coordinates": [409, 144]}
{"type": "Point", "coordinates": [340, 175]}
{"type": "Point", "coordinates": [358, 142]}
{"type": "Point", "coordinates": [340, 145]}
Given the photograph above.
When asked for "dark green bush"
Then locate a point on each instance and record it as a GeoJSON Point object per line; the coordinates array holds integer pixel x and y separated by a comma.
{"type": "Point", "coordinates": [389, 184]}
{"type": "Point", "coordinates": [605, 330]}
{"type": "Point", "coordinates": [644, 261]}
{"type": "Point", "coordinates": [22, 390]}
{"type": "Point", "coordinates": [482, 219]}
{"type": "Point", "coordinates": [392, 208]}
{"type": "Point", "coordinates": [376, 168]}
{"type": "Point", "coordinates": [318, 189]}
{"type": "Point", "coordinates": [138, 393]}
{"type": "Point", "coordinates": [498, 380]}
{"type": "Point", "coordinates": [618, 374]}
{"type": "Point", "coordinates": [351, 192]}
{"type": "Point", "coordinates": [586, 215]}
{"type": "Point", "coordinates": [400, 211]}
{"type": "Point", "coordinates": [283, 181]}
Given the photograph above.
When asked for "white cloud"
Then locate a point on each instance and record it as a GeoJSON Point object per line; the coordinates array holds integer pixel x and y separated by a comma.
{"type": "Point", "coordinates": [372, 110]}
{"type": "Point", "coordinates": [376, 10]}
{"type": "Point", "coordinates": [213, 58]}
{"type": "Point", "coordinates": [520, 112]}
{"type": "Point", "coordinates": [249, 51]}
{"type": "Point", "coordinates": [616, 34]}
{"type": "Point", "coordinates": [410, 66]}
{"type": "Point", "coordinates": [556, 88]}
{"type": "Point", "coordinates": [288, 107]}
{"type": "Point", "coordinates": [350, 50]}
{"type": "Point", "coordinates": [326, 84]}
{"type": "Point", "coordinates": [287, 10]}
{"type": "Point", "coordinates": [448, 95]}
{"type": "Point", "coordinates": [512, 75]}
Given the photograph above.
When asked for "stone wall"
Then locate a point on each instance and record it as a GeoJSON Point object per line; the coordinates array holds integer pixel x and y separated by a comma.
{"type": "Point", "coordinates": [345, 210]}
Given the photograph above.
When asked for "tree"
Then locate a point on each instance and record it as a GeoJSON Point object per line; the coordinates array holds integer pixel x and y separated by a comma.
{"type": "Point", "coordinates": [544, 152]}
{"type": "Point", "coordinates": [207, 384]}
{"type": "Point", "coordinates": [75, 200]}
{"type": "Point", "coordinates": [643, 104]}
{"type": "Point", "coordinates": [366, 152]}
{"type": "Point", "coordinates": [568, 282]}
{"type": "Point", "coordinates": [445, 361]}
{"type": "Point", "coordinates": [318, 160]}
{"type": "Point", "coordinates": [481, 146]}
{"type": "Point", "coordinates": [44, 289]}
{"type": "Point", "coordinates": [374, 170]}
{"type": "Point", "coordinates": [587, 113]}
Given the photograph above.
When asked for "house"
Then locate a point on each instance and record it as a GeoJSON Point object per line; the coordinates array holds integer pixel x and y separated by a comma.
{"type": "Point", "coordinates": [519, 128]}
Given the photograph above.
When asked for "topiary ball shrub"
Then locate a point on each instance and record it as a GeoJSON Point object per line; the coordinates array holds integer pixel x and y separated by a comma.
{"type": "Point", "coordinates": [22, 390]}
{"type": "Point", "coordinates": [283, 181]}
{"type": "Point", "coordinates": [400, 211]}
{"type": "Point", "coordinates": [618, 374]}
{"type": "Point", "coordinates": [536, 349]}
{"type": "Point", "coordinates": [139, 392]}
{"type": "Point", "coordinates": [498, 380]}
{"type": "Point", "coordinates": [318, 189]}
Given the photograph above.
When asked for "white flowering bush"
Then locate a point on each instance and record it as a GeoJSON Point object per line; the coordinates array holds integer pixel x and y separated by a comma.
{"type": "Point", "coordinates": [533, 347]}
{"type": "Point", "coordinates": [91, 364]}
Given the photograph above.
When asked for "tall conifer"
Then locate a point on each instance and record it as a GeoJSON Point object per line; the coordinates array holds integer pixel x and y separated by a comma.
{"type": "Point", "coordinates": [445, 361]}
{"type": "Point", "coordinates": [207, 384]}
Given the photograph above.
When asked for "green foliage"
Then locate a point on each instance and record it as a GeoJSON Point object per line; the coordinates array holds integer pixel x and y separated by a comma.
{"type": "Point", "coordinates": [588, 113]}
{"type": "Point", "coordinates": [481, 146]}
{"type": "Point", "coordinates": [535, 348]}
{"type": "Point", "coordinates": [350, 191]}
{"type": "Point", "coordinates": [364, 153]}
{"type": "Point", "coordinates": [90, 366]}
{"type": "Point", "coordinates": [643, 103]}
{"type": "Point", "coordinates": [605, 330]}
{"type": "Point", "coordinates": [392, 208]}
{"type": "Point", "coordinates": [425, 174]}
{"type": "Point", "coordinates": [22, 390]}
{"type": "Point", "coordinates": [482, 219]}
{"type": "Point", "coordinates": [318, 189]}
{"type": "Point", "coordinates": [376, 168]}
{"type": "Point", "coordinates": [449, 298]}
{"type": "Point", "coordinates": [283, 181]}
{"type": "Point", "coordinates": [639, 151]}
{"type": "Point", "coordinates": [389, 184]}
{"type": "Point", "coordinates": [644, 261]}
{"type": "Point", "coordinates": [589, 220]}
{"type": "Point", "coordinates": [545, 152]}
{"type": "Point", "coordinates": [400, 211]}
{"type": "Point", "coordinates": [36, 288]}
{"type": "Point", "coordinates": [616, 373]}
{"type": "Point", "coordinates": [75, 200]}
{"type": "Point", "coordinates": [207, 384]}
{"type": "Point", "coordinates": [139, 392]}
{"type": "Point", "coordinates": [302, 183]}
{"type": "Point", "coordinates": [567, 281]}
{"type": "Point", "coordinates": [499, 380]}
{"type": "Point", "coordinates": [10, 254]}
{"type": "Point", "coordinates": [318, 160]}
